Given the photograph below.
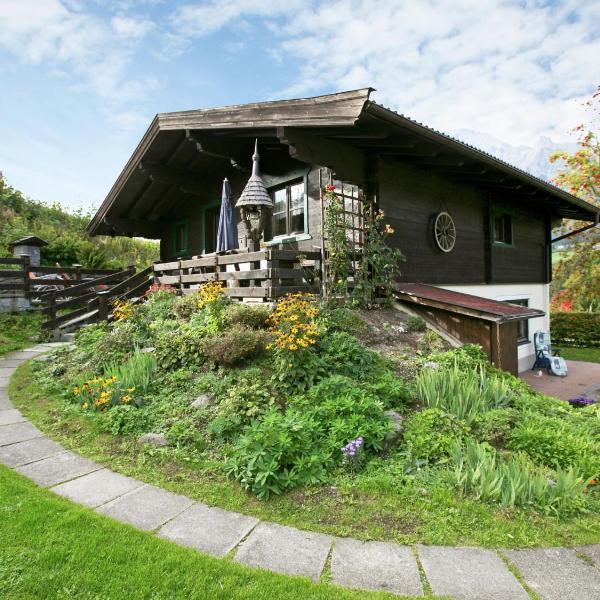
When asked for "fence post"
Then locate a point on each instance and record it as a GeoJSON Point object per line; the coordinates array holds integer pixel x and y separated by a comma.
{"type": "Point", "coordinates": [78, 277]}
{"type": "Point", "coordinates": [52, 307]}
{"type": "Point", "coordinates": [103, 305]}
{"type": "Point", "coordinates": [26, 270]}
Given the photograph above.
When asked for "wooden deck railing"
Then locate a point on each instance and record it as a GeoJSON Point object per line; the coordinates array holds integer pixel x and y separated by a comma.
{"type": "Point", "coordinates": [266, 274]}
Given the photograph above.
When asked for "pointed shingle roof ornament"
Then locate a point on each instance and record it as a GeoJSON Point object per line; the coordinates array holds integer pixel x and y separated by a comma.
{"type": "Point", "coordinates": [255, 194]}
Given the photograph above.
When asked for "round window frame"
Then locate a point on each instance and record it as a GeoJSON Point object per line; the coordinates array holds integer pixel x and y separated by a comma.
{"type": "Point", "coordinates": [436, 237]}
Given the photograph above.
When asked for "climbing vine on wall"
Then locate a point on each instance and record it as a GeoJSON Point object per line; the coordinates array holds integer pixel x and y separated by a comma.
{"type": "Point", "coordinates": [373, 267]}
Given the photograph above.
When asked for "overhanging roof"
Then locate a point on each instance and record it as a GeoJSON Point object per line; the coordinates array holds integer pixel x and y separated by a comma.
{"type": "Point", "coordinates": [466, 304]}
{"type": "Point", "coordinates": [346, 118]}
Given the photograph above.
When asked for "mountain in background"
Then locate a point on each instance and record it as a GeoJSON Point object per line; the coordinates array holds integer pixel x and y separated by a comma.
{"type": "Point", "coordinates": [533, 159]}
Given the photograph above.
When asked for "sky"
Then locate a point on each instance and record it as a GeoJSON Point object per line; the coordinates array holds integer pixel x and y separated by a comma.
{"type": "Point", "coordinates": [80, 80]}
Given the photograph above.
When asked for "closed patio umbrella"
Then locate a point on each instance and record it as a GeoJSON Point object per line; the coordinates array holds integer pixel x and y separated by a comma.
{"type": "Point", "coordinates": [227, 236]}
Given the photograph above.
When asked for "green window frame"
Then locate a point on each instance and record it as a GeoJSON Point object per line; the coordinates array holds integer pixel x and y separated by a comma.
{"type": "Point", "coordinates": [204, 220]}
{"type": "Point", "coordinates": [181, 239]}
{"type": "Point", "coordinates": [502, 229]}
{"type": "Point", "coordinates": [289, 209]}
{"type": "Point", "coordinates": [522, 326]}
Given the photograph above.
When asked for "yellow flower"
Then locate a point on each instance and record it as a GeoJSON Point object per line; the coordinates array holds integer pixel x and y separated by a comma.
{"type": "Point", "coordinates": [84, 405]}
{"type": "Point", "coordinates": [131, 389]}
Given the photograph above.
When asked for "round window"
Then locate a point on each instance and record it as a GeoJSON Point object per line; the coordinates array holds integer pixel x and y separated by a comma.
{"type": "Point", "coordinates": [444, 232]}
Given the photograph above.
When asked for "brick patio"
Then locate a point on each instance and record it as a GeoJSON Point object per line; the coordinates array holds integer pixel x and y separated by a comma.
{"type": "Point", "coordinates": [583, 378]}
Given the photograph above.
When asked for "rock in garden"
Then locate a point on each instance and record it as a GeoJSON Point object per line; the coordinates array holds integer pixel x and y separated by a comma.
{"type": "Point", "coordinates": [203, 400]}
{"type": "Point", "coordinates": [148, 350]}
{"type": "Point", "coordinates": [432, 365]}
{"type": "Point", "coordinates": [153, 439]}
{"type": "Point", "coordinates": [393, 437]}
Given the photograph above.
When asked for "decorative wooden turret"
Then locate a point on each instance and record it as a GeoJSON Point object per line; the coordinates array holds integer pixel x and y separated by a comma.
{"type": "Point", "coordinates": [254, 204]}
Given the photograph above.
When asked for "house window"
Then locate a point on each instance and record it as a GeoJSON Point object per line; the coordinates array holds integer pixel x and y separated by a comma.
{"type": "Point", "coordinates": [180, 236]}
{"type": "Point", "coordinates": [503, 229]}
{"type": "Point", "coordinates": [522, 326]}
{"type": "Point", "coordinates": [288, 209]}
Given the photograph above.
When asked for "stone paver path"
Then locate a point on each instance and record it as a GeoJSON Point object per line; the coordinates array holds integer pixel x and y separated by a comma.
{"type": "Point", "coordinates": [460, 573]}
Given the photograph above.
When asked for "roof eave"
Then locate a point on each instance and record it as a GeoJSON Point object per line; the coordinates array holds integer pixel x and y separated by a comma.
{"type": "Point", "coordinates": [384, 113]}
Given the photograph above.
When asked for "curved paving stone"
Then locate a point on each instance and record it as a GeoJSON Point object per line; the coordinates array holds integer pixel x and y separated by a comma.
{"type": "Point", "coordinates": [209, 529]}
{"type": "Point", "coordinates": [57, 468]}
{"type": "Point", "coordinates": [469, 574]}
{"type": "Point", "coordinates": [30, 451]}
{"type": "Point", "coordinates": [10, 416]}
{"type": "Point", "coordinates": [5, 403]}
{"type": "Point", "coordinates": [147, 507]}
{"type": "Point", "coordinates": [18, 432]}
{"type": "Point", "coordinates": [375, 566]}
{"type": "Point", "coordinates": [96, 488]}
{"type": "Point", "coordinates": [557, 573]}
{"type": "Point", "coordinates": [285, 550]}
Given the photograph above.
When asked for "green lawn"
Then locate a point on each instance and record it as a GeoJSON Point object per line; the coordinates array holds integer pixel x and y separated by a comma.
{"type": "Point", "coordinates": [584, 354]}
{"type": "Point", "coordinates": [374, 505]}
{"type": "Point", "coordinates": [51, 548]}
{"type": "Point", "coordinates": [18, 331]}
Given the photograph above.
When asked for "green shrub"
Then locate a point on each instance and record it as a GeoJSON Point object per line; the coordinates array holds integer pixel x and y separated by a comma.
{"type": "Point", "coordinates": [234, 345]}
{"type": "Point", "coordinates": [181, 347]}
{"type": "Point", "coordinates": [469, 356]}
{"type": "Point", "coordinates": [391, 391]}
{"type": "Point", "coordinates": [463, 393]}
{"type": "Point", "coordinates": [137, 372]}
{"type": "Point", "coordinates": [185, 306]}
{"type": "Point", "coordinates": [575, 328]}
{"type": "Point", "coordinates": [345, 355]}
{"type": "Point", "coordinates": [431, 434]}
{"type": "Point", "coordinates": [493, 426]}
{"type": "Point", "coordinates": [416, 324]}
{"type": "Point", "coordinates": [159, 305]}
{"type": "Point", "coordinates": [277, 453]}
{"type": "Point", "coordinates": [345, 411]}
{"type": "Point", "coordinates": [515, 481]}
{"type": "Point", "coordinates": [430, 342]}
{"type": "Point", "coordinates": [114, 347]}
{"type": "Point", "coordinates": [556, 443]}
{"type": "Point", "coordinates": [244, 402]}
{"type": "Point", "coordinates": [185, 432]}
{"type": "Point", "coordinates": [127, 420]}
{"type": "Point", "coordinates": [252, 316]}
{"type": "Point", "coordinates": [342, 319]}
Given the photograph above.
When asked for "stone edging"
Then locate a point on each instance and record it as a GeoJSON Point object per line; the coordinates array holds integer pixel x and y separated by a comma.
{"type": "Point", "coordinates": [459, 572]}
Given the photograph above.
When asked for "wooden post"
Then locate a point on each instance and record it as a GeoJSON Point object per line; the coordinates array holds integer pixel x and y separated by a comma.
{"type": "Point", "coordinates": [78, 277]}
{"type": "Point", "coordinates": [26, 270]}
{"type": "Point", "coordinates": [102, 306]}
{"type": "Point", "coordinates": [51, 307]}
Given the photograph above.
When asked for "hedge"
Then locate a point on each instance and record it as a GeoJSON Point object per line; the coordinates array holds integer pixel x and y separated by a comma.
{"type": "Point", "coordinates": [575, 328]}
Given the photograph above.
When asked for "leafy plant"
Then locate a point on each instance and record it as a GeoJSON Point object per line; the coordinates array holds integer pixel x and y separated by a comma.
{"type": "Point", "coordinates": [180, 347]}
{"type": "Point", "coordinates": [345, 411]}
{"type": "Point", "coordinates": [431, 434]}
{"type": "Point", "coordinates": [514, 481]}
{"type": "Point", "coordinates": [246, 315]}
{"type": "Point", "coordinates": [345, 355]}
{"type": "Point", "coordinates": [416, 324]}
{"type": "Point", "coordinates": [494, 426]}
{"type": "Point", "coordinates": [430, 341]}
{"type": "Point", "coordinates": [277, 453]}
{"type": "Point", "coordinates": [556, 443]}
{"type": "Point", "coordinates": [234, 345]}
{"type": "Point", "coordinates": [465, 394]}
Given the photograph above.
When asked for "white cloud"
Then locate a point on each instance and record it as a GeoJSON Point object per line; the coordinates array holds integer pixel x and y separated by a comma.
{"type": "Point", "coordinates": [131, 27]}
{"type": "Point", "coordinates": [517, 70]}
{"type": "Point", "coordinates": [95, 54]}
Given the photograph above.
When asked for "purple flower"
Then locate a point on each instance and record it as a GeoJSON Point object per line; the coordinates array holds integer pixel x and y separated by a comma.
{"type": "Point", "coordinates": [581, 401]}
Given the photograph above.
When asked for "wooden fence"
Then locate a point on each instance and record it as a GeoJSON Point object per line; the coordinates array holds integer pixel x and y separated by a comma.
{"type": "Point", "coordinates": [93, 297]}
{"type": "Point", "coordinates": [265, 274]}
{"type": "Point", "coordinates": [25, 278]}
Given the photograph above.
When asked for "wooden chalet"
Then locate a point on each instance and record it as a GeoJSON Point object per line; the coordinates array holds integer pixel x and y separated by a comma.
{"type": "Point", "coordinates": [468, 223]}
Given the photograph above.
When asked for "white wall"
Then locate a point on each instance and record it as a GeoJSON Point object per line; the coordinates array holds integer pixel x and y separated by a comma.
{"type": "Point", "coordinates": [538, 295]}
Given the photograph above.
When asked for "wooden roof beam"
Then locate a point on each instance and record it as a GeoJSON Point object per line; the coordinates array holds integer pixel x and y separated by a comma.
{"type": "Point", "coordinates": [187, 181]}
{"type": "Point", "coordinates": [346, 162]}
{"type": "Point", "coordinates": [135, 227]}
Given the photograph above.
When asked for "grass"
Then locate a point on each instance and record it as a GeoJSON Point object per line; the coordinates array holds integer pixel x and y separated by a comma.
{"type": "Point", "coordinates": [18, 330]}
{"type": "Point", "coordinates": [584, 354]}
{"type": "Point", "coordinates": [374, 505]}
{"type": "Point", "coordinates": [52, 548]}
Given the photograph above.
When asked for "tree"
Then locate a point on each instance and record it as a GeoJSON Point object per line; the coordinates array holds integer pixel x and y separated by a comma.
{"type": "Point", "coordinates": [576, 281]}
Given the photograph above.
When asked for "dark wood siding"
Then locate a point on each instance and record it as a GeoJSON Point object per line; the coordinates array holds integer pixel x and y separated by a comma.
{"type": "Point", "coordinates": [411, 197]}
